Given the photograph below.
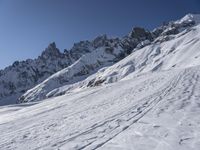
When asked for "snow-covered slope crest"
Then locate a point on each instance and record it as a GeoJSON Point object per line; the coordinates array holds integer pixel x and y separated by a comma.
{"type": "Point", "coordinates": [190, 17]}
{"type": "Point", "coordinates": [176, 46]}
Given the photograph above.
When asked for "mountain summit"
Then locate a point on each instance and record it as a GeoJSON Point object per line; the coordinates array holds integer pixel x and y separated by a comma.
{"type": "Point", "coordinates": [51, 51]}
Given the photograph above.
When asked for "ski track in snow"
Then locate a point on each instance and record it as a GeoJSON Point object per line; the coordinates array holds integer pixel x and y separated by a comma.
{"type": "Point", "coordinates": [173, 125]}
{"type": "Point", "coordinates": [123, 120]}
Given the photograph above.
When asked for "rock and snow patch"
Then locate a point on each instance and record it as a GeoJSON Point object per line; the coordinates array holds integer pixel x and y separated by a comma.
{"type": "Point", "coordinates": [189, 18]}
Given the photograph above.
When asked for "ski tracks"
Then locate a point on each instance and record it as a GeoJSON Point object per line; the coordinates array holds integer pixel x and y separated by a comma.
{"type": "Point", "coordinates": [101, 133]}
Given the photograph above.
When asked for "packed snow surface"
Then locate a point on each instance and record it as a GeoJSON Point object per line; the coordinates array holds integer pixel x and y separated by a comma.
{"type": "Point", "coordinates": [150, 111]}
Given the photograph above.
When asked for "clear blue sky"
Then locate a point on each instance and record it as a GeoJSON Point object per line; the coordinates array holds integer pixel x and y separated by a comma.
{"type": "Point", "coordinates": [28, 26]}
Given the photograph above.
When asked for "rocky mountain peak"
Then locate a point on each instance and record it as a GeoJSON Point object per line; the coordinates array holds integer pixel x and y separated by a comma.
{"type": "Point", "coordinates": [52, 45]}
{"type": "Point", "coordinates": [100, 41]}
{"type": "Point", "coordinates": [51, 51]}
{"type": "Point", "coordinates": [140, 34]}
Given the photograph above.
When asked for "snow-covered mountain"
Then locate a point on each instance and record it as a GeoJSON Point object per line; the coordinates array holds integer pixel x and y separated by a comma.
{"type": "Point", "coordinates": [136, 92]}
{"type": "Point", "coordinates": [173, 45]}
{"type": "Point", "coordinates": [83, 59]}
{"type": "Point", "coordinates": [15, 80]}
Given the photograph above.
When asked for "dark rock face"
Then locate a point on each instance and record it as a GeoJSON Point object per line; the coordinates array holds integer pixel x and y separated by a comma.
{"type": "Point", "coordinates": [51, 52]}
{"type": "Point", "coordinates": [172, 28]}
{"type": "Point", "coordinates": [135, 37]}
{"type": "Point", "coordinates": [94, 83]}
{"type": "Point", "coordinates": [140, 34]}
{"type": "Point", "coordinates": [79, 49]}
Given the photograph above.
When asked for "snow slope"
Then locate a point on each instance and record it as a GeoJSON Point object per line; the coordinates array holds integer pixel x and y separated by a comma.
{"type": "Point", "coordinates": [157, 110]}
{"type": "Point", "coordinates": [174, 124]}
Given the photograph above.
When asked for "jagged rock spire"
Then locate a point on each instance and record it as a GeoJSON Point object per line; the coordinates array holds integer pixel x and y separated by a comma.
{"type": "Point", "coordinates": [140, 33]}
{"type": "Point", "coordinates": [51, 51]}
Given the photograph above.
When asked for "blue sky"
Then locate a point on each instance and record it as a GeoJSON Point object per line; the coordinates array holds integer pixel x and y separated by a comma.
{"type": "Point", "coordinates": [28, 26]}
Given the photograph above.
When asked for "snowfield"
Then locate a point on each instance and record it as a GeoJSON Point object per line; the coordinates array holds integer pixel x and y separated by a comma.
{"type": "Point", "coordinates": [150, 111]}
